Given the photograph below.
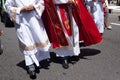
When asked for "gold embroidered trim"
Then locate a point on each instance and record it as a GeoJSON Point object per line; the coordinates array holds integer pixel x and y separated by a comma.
{"type": "Point", "coordinates": [32, 47]}
{"type": "Point", "coordinates": [67, 24]}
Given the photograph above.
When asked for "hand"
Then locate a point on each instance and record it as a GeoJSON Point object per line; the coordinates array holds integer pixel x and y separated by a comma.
{"type": "Point", "coordinates": [104, 5]}
{"type": "Point", "coordinates": [30, 7]}
{"type": "Point", "coordinates": [70, 1]}
{"type": "Point", "coordinates": [1, 32]}
{"type": "Point", "coordinates": [27, 8]}
{"type": "Point", "coordinates": [95, 0]}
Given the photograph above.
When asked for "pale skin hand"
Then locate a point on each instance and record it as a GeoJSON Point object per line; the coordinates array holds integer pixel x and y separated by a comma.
{"type": "Point", "coordinates": [94, 0]}
{"type": "Point", "coordinates": [104, 5]}
{"type": "Point", "coordinates": [1, 32]}
{"type": "Point", "coordinates": [70, 1]}
{"type": "Point", "coordinates": [27, 8]}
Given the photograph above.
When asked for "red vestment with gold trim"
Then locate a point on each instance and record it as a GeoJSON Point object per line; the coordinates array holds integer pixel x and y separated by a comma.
{"type": "Point", "coordinates": [87, 28]}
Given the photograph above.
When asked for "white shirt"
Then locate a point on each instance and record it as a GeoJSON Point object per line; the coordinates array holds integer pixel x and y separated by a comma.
{"type": "Point", "coordinates": [61, 1]}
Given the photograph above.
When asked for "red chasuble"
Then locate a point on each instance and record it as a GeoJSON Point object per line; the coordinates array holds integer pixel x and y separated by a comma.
{"type": "Point", "coordinates": [88, 29]}
{"type": "Point", "coordinates": [53, 25]}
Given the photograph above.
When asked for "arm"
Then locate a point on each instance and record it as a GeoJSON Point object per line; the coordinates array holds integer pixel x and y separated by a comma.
{"type": "Point", "coordinates": [38, 6]}
{"type": "Point", "coordinates": [13, 11]}
{"type": "Point", "coordinates": [27, 8]}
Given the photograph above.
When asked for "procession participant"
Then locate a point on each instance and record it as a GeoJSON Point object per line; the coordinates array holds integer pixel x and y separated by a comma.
{"type": "Point", "coordinates": [32, 37]}
{"type": "Point", "coordinates": [96, 10]}
{"type": "Point", "coordinates": [1, 45]}
{"type": "Point", "coordinates": [106, 15]}
{"type": "Point", "coordinates": [67, 22]}
{"type": "Point", "coordinates": [2, 9]}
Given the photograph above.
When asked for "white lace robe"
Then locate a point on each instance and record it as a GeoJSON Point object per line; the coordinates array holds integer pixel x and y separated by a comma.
{"type": "Point", "coordinates": [33, 41]}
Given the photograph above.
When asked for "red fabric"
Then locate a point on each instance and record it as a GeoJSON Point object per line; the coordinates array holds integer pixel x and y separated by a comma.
{"type": "Point", "coordinates": [53, 25]}
{"type": "Point", "coordinates": [65, 19]}
{"type": "Point", "coordinates": [88, 30]}
{"type": "Point", "coordinates": [103, 1]}
{"type": "Point", "coordinates": [87, 27]}
{"type": "Point", "coordinates": [105, 9]}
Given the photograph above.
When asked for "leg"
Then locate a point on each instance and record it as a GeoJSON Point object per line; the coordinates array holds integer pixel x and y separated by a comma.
{"type": "Point", "coordinates": [30, 67]}
{"type": "Point", "coordinates": [107, 26]}
{"type": "Point", "coordinates": [65, 62]}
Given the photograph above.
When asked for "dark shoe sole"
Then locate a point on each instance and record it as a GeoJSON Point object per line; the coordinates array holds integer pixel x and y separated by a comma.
{"type": "Point", "coordinates": [32, 74]}
{"type": "Point", "coordinates": [65, 64]}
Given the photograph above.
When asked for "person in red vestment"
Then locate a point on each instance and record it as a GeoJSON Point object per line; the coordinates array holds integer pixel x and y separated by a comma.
{"type": "Point", "coordinates": [67, 22]}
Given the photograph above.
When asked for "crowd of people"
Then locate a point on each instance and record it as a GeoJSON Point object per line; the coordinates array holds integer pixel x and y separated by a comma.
{"type": "Point", "coordinates": [44, 26]}
{"type": "Point", "coordinates": [100, 13]}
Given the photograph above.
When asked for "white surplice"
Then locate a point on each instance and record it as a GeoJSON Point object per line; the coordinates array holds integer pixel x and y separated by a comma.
{"type": "Point", "coordinates": [68, 50]}
{"type": "Point", "coordinates": [32, 37]}
{"type": "Point", "coordinates": [97, 12]}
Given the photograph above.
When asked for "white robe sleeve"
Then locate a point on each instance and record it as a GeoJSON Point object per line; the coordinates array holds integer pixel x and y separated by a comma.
{"type": "Point", "coordinates": [39, 7]}
{"type": "Point", "coordinates": [13, 11]}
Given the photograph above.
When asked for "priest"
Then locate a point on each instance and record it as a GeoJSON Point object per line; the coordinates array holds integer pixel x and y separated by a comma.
{"type": "Point", "coordinates": [67, 22]}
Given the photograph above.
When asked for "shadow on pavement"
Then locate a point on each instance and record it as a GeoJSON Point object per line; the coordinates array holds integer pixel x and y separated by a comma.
{"type": "Point", "coordinates": [88, 52]}
{"type": "Point", "coordinates": [73, 59]}
{"type": "Point", "coordinates": [22, 65]}
{"type": "Point", "coordinates": [45, 65]}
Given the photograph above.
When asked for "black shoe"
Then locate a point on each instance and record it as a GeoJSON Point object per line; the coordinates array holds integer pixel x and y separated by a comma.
{"type": "Point", "coordinates": [31, 71]}
{"type": "Point", "coordinates": [1, 51]}
{"type": "Point", "coordinates": [101, 34]}
{"type": "Point", "coordinates": [82, 44]}
{"type": "Point", "coordinates": [37, 69]}
{"type": "Point", "coordinates": [45, 63]}
{"type": "Point", "coordinates": [48, 60]}
{"type": "Point", "coordinates": [32, 74]}
{"type": "Point", "coordinates": [65, 63]}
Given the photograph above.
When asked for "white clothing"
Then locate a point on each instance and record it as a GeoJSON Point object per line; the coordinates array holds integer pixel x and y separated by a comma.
{"type": "Point", "coordinates": [61, 1]}
{"type": "Point", "coordinates": [97, 12]}
{"type": "Point", "coordinates": [31, 34]}
{"type": "Point", "coordinates": [106, 2]}
{"type": "Point", "coordinates": [68, 50]}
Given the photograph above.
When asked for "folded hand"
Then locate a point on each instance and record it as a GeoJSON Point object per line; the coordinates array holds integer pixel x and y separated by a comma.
{"type": "Point", "coordinates": [27, 8]}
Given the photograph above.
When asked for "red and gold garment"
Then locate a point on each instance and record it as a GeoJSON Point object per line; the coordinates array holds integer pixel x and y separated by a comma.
{"type": "Point", "coordinates": [87, 28]}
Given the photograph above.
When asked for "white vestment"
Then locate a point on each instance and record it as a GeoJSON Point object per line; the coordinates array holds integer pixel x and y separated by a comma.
{"type": "Point", "coordinates": [106, 2]}
{"type": "Point", "coordinates": [33, 40]}
{"type": "Point", "coordinates": [68, 50]}
{"type": "Point", "coordinates": [97, 12]}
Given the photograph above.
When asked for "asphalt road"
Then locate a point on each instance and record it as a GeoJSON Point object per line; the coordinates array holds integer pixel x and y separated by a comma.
{"type": "Point", "coordinates": [96, 62]}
